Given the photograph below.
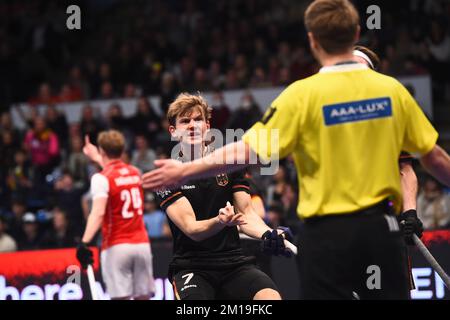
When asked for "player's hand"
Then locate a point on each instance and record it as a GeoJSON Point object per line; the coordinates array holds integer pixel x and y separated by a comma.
{"type": "Point", "coordinates": [168, 174]}
{"type": "Point", "coordinates": [91, 151]}
{"type": "Point", "coordinates": [228, 217]}
{"type": "Point", "coordinates": [273, 242]}
{"type": "Point", "coordinates": [410, 224]}
{"type": "Point", "coordinates": [285, 232]}
{"type": "Point", "coordinates": [84, 255]}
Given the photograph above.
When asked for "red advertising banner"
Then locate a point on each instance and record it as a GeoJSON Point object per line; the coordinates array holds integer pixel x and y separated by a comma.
{"type": "Point", "coordinates": [43, 275]}
{"type": "Point", "coordinates": [56, 274]}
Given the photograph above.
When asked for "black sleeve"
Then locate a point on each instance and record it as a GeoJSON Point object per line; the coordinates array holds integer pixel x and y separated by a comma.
{"type": "Point", "coordinates": [405, 157]}
{"type": "Point", "coordinates": [239, 182]}
{"type": "Point", "coordinates": [167, 197]}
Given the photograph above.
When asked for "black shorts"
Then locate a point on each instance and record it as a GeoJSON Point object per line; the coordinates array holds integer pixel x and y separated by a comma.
{"type": "Point", "coordinates": [341, 257]}
{"type": "Point", "coordinates": [252, 248]}
{"type": "Point", "coordinates": [241, 283]}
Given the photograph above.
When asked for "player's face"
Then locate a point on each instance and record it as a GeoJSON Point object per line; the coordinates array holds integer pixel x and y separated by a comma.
{"type": "Point", "coordinates": [191, 128]}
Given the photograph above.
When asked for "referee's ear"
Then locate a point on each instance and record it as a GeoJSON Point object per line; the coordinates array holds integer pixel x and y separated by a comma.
{"type": "Point", "coordinates": [312, 41]}
{"type": "Point", "coordinates": [315, 46]}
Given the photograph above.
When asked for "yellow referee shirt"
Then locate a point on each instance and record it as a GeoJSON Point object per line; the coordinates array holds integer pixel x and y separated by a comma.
{"type": "Point", "coordinates": [345, 127]}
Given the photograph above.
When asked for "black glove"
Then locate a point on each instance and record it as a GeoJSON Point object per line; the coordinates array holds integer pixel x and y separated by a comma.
{"type": "Point", "coordinates": [84, 255]}
{"type": "Point", "coordinates": [410, 224]}
{"type": "Point", "coordinates": [273, 243]}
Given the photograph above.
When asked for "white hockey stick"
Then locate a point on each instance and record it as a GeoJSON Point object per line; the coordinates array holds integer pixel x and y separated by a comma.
{"type": "Point", "coordinates": [291, 246]}
{"type": "Point", "coordinates": [431, 260]}
{"type": "Point", "coordinates": [92, 284]}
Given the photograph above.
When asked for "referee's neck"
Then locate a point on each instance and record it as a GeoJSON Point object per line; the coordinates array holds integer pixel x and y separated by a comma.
{"type": "Point", "coordinates": [331, 59]}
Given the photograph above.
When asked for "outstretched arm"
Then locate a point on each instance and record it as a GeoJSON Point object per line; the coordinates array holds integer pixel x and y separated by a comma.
{"type": "Point", "coordinates": [171, 173]}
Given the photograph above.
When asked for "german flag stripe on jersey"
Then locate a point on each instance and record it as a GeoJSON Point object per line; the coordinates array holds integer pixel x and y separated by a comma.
{"type": "Point", "coordinates": [171, 199]}
{"type": "Point", "coordinates": [241, 187]}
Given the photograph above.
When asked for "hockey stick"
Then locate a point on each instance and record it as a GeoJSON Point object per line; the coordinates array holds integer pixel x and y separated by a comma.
{"type": "Point", "coordinates": [287, 244]}
{"type": "Point", "coordinates": [291, 246]}
{"type": "Point", "coordinates": [432, 261]}
{"type": "Point", "coordinates": [91, 280]}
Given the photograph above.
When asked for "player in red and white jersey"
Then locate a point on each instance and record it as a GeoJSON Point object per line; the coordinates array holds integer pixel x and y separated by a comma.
{"type": "Point", "coordinates": [122, 223]}
{"type": "Point", "coordinates": [117, 208]}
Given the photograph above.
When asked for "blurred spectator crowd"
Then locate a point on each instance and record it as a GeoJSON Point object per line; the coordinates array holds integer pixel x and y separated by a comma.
{"type": "Point", "coordinates": [160, 47]}
{"type": "Point", "coordinates": [140, 48]}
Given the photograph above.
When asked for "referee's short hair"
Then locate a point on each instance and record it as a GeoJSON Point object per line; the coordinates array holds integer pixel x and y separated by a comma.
{"type": "Point", "coordinates": [112, 142]}
{"type": "Point", "coordinates": [334, 24]}
{"type": "Point", "coordinates": [184, 104]}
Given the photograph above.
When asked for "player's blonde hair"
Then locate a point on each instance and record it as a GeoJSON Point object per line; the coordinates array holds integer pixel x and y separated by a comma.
{"type": "Point", "coordinates": [112, 143]}
{"type": "Point", "coordinates": [334, 24]}
{"type": "Point", "coordinates": [185, 104]}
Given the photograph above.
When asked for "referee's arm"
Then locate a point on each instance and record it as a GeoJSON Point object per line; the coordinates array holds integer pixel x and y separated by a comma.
{"type": "Point", "coordinates": [231, 157]}
{"type": "Point", "coordinates": [437, 163]}
{"type": "Point", "coordinates": [420, 138]}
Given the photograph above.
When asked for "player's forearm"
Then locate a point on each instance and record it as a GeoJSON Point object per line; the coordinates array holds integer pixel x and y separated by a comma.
{"type": "Point", "coordinates": [409, 187]}
{"type": "Point", "coordinates": [93, 224]}
{"type": "Point", "coordinates": [231, 157]}
{"type": "Point", "coordinates": [437, 163]}
{"type": "Point", "coordinates": [255, 225]}
{"type": "Point", "coordinates": [203, 229]}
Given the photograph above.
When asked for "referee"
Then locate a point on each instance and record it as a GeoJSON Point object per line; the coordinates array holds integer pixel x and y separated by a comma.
{"type": "Point", "coordinates": [345, 127]}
